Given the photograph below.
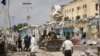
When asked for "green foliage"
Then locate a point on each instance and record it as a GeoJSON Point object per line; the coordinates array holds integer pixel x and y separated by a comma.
{"type": "Point", "coordinates": [17, 27]}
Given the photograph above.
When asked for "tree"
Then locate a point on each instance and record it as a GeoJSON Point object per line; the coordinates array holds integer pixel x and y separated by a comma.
{"type": "Point", "coordinates": [17, 27]}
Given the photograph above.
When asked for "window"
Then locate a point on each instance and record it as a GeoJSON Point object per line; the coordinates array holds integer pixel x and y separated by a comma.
{"type": "Point", "coordinates": [69, 10]}
{"type": "Point", "coordinates": [96, 13]}
{"type": "Point", "coordinates": [96, 7]}
{"type": "Point", "coordinates": [65, 12]}
{"type": "Point", "coordinates": [72, 9]}
{"type": "Point", "coordinates": [66, 18]}
{"type": "Point", "coordinates": [72, 17]}
{"type": "Point", "coordinates": [77, 17]}
{"type": "Point", "coordinates": [59, 19]}
{"type": "Point", "coordinates": [84, 16]}
{"type": "Point", "coordinates": [78, 8]}
{"type": "Point", "coordinates": [84, 6]}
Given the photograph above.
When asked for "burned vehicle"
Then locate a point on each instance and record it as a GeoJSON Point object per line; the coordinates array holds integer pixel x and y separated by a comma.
{"type": "Point", "coordinates": [51, 42]}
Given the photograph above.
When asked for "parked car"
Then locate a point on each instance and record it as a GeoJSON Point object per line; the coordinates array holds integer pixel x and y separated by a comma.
{"type": "Point", "coordinates": [91, 42]}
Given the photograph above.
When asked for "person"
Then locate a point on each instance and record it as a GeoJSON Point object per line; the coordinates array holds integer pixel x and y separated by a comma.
{"type": "Point", "coordinates": [25, 39]}
{"type": "Point", "coordinates": [67, 47]}
{"type": "Point", "coordinates": [16, 39]}
{"type": "Point", "coordinates": [19, 43]}
{"type": "Point", "coordinates": [27, 42]}
{"type": "Point", "coordinates": [52, 34]}
{"type": "Point", "coordinates": [33, 43]}
{"type": "Point", "coordinates": [32, 46]}
{"type": "Point", "coordinates": [98, 46]}
{"type": "Point", "coordinates": [44, 33]}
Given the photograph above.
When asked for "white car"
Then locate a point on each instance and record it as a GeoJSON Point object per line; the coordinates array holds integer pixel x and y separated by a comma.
{"type": "Point", "coordinates": [91, 42]}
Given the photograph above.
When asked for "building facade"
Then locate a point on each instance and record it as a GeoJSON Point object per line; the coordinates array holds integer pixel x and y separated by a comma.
{"type": "Point", "coordinates": [76, 16]}
{"type": "Point", "coordinates": [80, 9]}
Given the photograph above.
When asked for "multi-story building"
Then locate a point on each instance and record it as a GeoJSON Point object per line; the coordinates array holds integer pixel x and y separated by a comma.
{"type": "Point", "coordinates": [80, 9]}
{"type": "Point", "coordinates": [75, 10]}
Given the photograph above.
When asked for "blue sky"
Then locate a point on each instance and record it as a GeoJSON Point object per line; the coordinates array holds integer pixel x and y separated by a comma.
{"type": "Point", "coordinates": [38, 11]}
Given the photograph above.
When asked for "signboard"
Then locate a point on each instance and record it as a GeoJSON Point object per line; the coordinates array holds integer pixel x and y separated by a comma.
{"type": "Point", "coordinates": [81, 24]}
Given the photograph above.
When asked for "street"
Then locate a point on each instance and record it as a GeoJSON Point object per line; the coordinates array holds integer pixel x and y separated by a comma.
{"type": "Point", "coordinates": [41, 27]}
{"type": "Point", "coordinates": [40, 52]}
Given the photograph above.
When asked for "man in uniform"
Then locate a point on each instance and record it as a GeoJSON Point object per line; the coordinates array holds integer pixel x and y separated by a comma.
{"type": "Point", "coordinates": [52, 34]}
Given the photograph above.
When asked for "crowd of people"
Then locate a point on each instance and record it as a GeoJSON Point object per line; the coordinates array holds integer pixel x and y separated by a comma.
{"type": "Point", "coordinates": [29, 43]}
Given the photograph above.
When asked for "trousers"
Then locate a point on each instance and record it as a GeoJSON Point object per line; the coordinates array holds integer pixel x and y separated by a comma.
{"type": "Point", "coordinates": [32, 47]}
{"type": "Point", "coordinates": [68, 53]}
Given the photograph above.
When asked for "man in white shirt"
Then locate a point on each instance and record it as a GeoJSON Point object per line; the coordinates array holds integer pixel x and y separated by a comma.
{"type": "Point", "coordinates": [33, 43]}
{"type": "Point", "coordinates": [67, 47]}
{"type": "Point", "coordinates": [32, 46]}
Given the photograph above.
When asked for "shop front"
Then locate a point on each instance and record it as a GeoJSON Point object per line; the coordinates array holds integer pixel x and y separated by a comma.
{"type": "Point", "coordinates": [93, 32]}
{"type": "Point", "coordinates": [80, 29]}
{"type": "Point", "coordinates": [68, 32]}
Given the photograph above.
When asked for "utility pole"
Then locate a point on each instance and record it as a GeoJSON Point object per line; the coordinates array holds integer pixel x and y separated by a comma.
{"type": "Point", "coordinates": [28, 17]}
{"type": "Point", "coordinates": [5, 15]}
{"type": "Point", "coordinates": [9, 16]}
{"type": "Point", "coordinates": [5, 28]}
{"type": "Point", "coordinates": [99, 20]}
{"type": "Point", "coordinates": [13, 18]}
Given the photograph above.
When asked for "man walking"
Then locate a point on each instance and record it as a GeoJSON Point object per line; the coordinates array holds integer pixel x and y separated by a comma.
{"type": "Point", "coordinates": [32, 46]}
{"type": "Point", "coordinates": [27, 41]}
{"type": "Point", "coordinates": [67, 47]}
{"type": "Point", "coordinates": [33, 43]}
{"type": "Point", "coordinates": [19, 43]}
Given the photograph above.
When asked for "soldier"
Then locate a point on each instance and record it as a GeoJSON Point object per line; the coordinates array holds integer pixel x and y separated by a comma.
{"type": "Point", "coordinates": [52, 34]}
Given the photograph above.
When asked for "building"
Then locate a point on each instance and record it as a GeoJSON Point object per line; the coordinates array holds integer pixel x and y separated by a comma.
{"type": "Point", "coordinates": [76, 9]}
{"type": "Point", "coordinates": [80, 9]}
{"type": "Point", "coordinates": [76, 15]}
{"type": "Point", "coordinates": [55, 21]}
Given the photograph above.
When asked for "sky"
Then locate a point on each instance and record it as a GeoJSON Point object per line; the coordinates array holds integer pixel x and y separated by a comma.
{"type": "Point", "coordinates": [38, 11]}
